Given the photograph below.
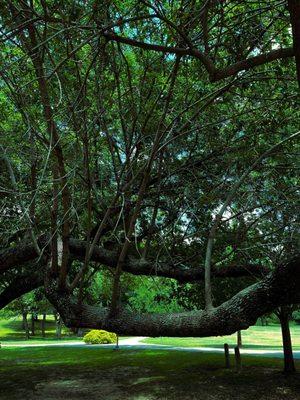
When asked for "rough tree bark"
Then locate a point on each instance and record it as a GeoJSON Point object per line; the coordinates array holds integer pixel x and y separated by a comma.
{"type": "Point", "coordinates": [238, 313]}
{"type": "Point", "coordinates": [19, 286]}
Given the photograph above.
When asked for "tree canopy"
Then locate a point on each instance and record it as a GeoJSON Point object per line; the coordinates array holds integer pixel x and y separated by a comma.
{"type": "Point", "coordinates": [152, 138]}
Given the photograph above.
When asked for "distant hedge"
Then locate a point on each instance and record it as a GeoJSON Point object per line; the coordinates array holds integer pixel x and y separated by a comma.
{"type": "Point", "coordinates": [96, 336]}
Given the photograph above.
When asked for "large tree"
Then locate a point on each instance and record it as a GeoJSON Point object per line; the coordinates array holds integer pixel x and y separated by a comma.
{"type": "Point", "coordinates": [151, 138]}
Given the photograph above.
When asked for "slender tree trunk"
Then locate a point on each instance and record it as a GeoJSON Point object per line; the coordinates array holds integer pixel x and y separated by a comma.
{"type": "Point", "coordinates": [239, 339]}
{"type": "Point", "coordinates": [23, 320]}
{"type": "Point", "coordinates": [58, 327]}
{"type": "Point", "coordinates": [32, 325]}
{"type": "Point", "coordinates": [25, 324]}
{"type": "Point", "coordinates": [58, 160]}
{"type": "Point", "coordinates": [263, 321]}
{"type": "Point", "coordinates": [80, 332]}
{"type": "Point", "coordinates": [289, 365]}
{"type": "Point", "coordinates": [43, 323]}
{"type": "Point", "coordinates": [227, 356]}
{"type": "Point", "coordinates": [238, 361]}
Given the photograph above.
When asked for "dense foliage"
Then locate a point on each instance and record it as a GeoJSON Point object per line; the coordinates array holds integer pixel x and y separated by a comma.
{"type": "Point", "coordinates": [125, 124]}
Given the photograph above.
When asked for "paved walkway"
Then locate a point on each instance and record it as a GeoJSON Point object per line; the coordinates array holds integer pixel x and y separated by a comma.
{"type": "Point", "coordinates": [135, 343]}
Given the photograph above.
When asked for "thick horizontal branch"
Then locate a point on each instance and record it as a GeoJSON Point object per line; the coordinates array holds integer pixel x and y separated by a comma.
{"type": "Point", "coordinates": [252, 62]}
{"type": "Point", "coordinates": [167, 270]}
{"type": "Point", "coordinates": [19, 286]}
{"type": "Point", "coordinates": [214, 73]}
{"type": "Point", "coordinates": [180, 51]}
{"type": "Point", "coordinates": [281, 287]}
{"type": "Point", "coordinates": [18, 255]}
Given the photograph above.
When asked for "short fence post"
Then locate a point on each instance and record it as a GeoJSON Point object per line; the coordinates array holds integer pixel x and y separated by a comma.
{"type": "Point", "coordinates": [227, 359]}
{"type": "Point", "coordinates": [238, 362]}
{"type": "Point", "coordinates": [117, 343]}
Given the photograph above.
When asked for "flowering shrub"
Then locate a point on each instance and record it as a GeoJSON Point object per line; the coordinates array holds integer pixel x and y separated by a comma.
{"type": "Point", "coordinates": [96, 336]}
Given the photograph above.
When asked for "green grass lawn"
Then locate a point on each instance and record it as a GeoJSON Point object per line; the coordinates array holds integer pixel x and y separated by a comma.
{"type": "Point", "coordinates": [260, 337]}
{"type": "Point", "coordinates": [256, 337]}
{"type": "Point", "coordinates": [11, 331]}
{"type": "Point", "coordinates": [53, 373]}
{"type": "Point", "coordinates": [50, 373]}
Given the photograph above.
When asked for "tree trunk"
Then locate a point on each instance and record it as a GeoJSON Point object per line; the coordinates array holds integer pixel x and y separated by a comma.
{"type": "Point", "coordinates": [25, 324]}
{"type": "Point", "coordinates": [32, 325]}
{"type": "Point", "coordinates": [43, 325]}
{"type": "Point", "coordinates": [227, 357]}
{"type": "Point", "coordinates": [58, 327]}
{"type": "Point", "coordinates": [79, 332]}
{"type": "Point", "coordinates": [238, 361]}
{"type": "Point", "coordinates": [289, 365]}
{"type": "Point", "coordinates": [239, 339]}
{"type": "Point", "coordinates": [24, 315]}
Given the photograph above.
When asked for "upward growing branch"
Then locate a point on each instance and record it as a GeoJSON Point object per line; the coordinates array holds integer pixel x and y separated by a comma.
{"type": "Point", "coordinates": [23, 209]}
{"type": "Point", "coordinates": [218, 218]}
{"type": "Point", "coordinates": [142, 190]}
{"type": "Point", "coordinates": [56, 146]}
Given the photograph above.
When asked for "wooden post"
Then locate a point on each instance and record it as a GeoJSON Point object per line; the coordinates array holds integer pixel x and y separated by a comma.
{"type": "Point", "coordinates": [117, 343]}
{"type": "Point", "coordinates": [227, 358]}
{"type": "Point", "coordinates": [238, 362]}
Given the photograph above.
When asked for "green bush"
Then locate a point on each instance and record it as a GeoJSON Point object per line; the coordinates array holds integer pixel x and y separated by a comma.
{"type": "Point", "coordinates": [296, 316]}
{"type": "Point", "coordinates": [99, 337]}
